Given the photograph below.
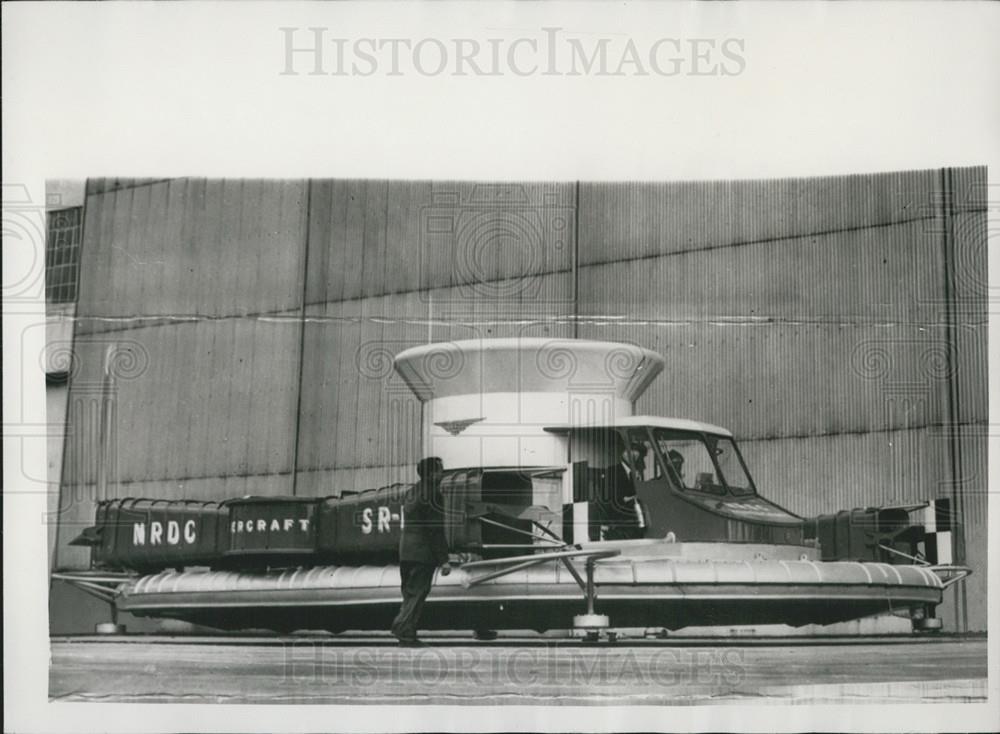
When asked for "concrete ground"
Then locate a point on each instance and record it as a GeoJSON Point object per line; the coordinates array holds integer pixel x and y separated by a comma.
{"type": "Point", "coordinates": [529, 671]}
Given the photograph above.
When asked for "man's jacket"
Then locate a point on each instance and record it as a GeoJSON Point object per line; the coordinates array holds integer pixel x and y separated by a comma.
{"type": "Point", "coordinates": [423, 539]}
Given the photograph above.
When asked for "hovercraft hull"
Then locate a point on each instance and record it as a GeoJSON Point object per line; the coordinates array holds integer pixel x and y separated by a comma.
{"type": "Point", "coordinates": [640, 590]}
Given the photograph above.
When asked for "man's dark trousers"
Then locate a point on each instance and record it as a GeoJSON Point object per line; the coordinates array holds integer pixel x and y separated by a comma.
{"type": "Point", "coordinates": [422, 548]}
{"type": "Point", "coordinates": [415, 582]}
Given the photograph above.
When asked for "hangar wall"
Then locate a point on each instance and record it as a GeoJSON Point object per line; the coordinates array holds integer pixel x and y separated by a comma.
{"type": "Point", "coordinates": [837, 325]}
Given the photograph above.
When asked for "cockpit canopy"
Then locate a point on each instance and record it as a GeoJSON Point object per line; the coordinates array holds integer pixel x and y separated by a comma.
{"type": "Point", "coordinates": [698, 462]}
{"type": "Point", "coordinates": [694, 457]}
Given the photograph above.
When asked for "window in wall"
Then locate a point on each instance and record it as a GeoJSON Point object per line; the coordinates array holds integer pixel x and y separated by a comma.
{"type": "Point", "coordinates": [62, 254]}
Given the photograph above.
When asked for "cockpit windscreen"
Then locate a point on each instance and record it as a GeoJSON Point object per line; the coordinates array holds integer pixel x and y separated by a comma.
{"type": "Point", "coordinates": [702, 463]}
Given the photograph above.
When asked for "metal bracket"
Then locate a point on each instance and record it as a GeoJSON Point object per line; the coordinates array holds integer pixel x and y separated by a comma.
{"type": "Point", "coordinates": [518, 563]}
{"type": "Point", "coordinates": [947, 573]}
{"type": "Point", "coordinates": [950, 574]}
{"type": "Point", "coordinates": [916, 559]}
{"type": "Point", "coordinates": [553, 540]}
{"type": "Point", "coordinates": [103, 585]}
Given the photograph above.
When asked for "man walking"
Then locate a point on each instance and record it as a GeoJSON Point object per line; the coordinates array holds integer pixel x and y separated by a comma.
{"type": "Point", "coordinates": [422, 548]}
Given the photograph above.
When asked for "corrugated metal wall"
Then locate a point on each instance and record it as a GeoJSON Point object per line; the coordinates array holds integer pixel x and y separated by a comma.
{"type": "Point", "coordinates": [837, 325]}
{"type": "Point", "coordinates": [196, 289]}
{"type": "Point", "coordinates": [395, 264]}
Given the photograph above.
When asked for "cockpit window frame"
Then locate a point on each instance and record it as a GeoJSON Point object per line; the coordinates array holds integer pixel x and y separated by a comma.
{"type": "Point", "coordinates": [668, 469]}
{"type": "Point", "coordinates": [628, 433]}
{"type": "Point", "coordinates": [743, 466]}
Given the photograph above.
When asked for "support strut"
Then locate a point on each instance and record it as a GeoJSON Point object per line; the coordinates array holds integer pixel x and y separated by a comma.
{"type": "Point", "coordinates": [591, 621]}
{"type": "Point", "coordinates": [103, 586]}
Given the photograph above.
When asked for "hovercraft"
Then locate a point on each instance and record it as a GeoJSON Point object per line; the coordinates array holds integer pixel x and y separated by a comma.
{"type": "Point", "coordinates": [562, 509]}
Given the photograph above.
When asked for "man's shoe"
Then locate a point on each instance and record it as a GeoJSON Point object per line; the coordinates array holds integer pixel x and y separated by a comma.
{"type": "Point", "coordinates": [410, 642]}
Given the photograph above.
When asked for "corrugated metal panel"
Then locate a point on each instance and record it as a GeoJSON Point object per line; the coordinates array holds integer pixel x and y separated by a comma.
{"type": "Point", "coordinates": [972, 370]}
{"type": "Point", "coordinates": [346, 396]}
{"type": "Point", "coordinates": [373, 238]}
{"type": "Point", "coordinates": [503, 230]}
{"type": "Point", "coordinates": [968, 304]}
{"type": "Point", "coordinates": [210, 398]}
{"type": "Point", "coordinates": [407, 207]}
{"type": "Point", "coordinates": [334, 482]}
{"type": "Point", "coordinates": [398, 428]}
{"type": "Point", "coordinates": [127, 266]}
{"type": "Point", "coordinates": [103, 185]}
{"type": "Point", "coordinates": [972, 478]}
{"type": "Point", "coordinates": [367, 428]}
{"type": "Point", "coordinates": [84, 405]}
{"type": "Point", "coordinates": [345, 217]}
{"type": "Point", "coordinates": [186, 248]}
{"type": "Point", "coordinates": [969, 185]}
{"type": "Point", "coordinates": [889, 274]}
{"type": "Point", "coordinates": [373, 254]}
{"type": "Point", "coordinates": [785, 379]}
{"type": "Point", "coordinates": [211, 488]}
{"type": "Point", "coordinates": [822, 474]}
{"type": "Point", "coordinates": [55, 411]}
{"type": "Point", "coordinates": [341, 416]}
{"type": "Point", "coordinates": [975, 489]}
{"type": "Point", "coordinates": [537, 305]}
{"type": "Point", "coordinates": [349, 387]}
{"type": "Point", "coordinates": [967, 233]}
{"type": "Point", "coordinates": [77, 506]}
{"type": "Point", "coordinates": [639, 219]}
{"type": "Point", "coordinates": [321, 360]}
{"type": "Point", "coordinates": [970, 231]}
{"type": "Point", "coordinates": [95, 254]}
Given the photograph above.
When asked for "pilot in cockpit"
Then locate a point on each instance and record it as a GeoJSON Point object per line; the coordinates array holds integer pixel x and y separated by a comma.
{"type": "Point", "coordinates": [634, 461]}
{"type": "Point", "coordinates": [622, 514]}
{"type": "Point", "coordinates": [676, 461]}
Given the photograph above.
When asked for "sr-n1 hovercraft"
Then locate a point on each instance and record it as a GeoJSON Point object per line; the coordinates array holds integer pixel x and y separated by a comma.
{"type": "Point", "coordinates": [561, 507]}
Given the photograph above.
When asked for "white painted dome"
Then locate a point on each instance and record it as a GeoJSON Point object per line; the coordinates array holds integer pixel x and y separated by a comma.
{"type": "Point", "coordinates": [486, 402]}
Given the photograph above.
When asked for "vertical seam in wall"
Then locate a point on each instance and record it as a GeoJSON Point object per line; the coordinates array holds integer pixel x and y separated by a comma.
{"type": "Point", "coordinates": [954, 456]}
{"type": "Point", "coordinates": [69, 381]}
{"type": "Point", "coordinates": [576, 262]}
{"type": "Point", "coordinates": [379, 419]}
{"type": "Point", "coordinates": [307, 224]}
{"type": "Point", "coordinates": [957, 397]}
